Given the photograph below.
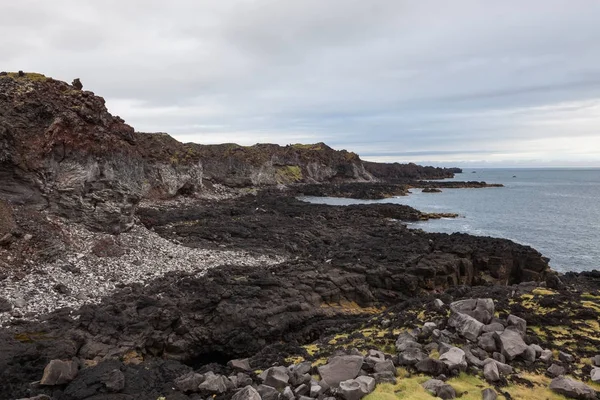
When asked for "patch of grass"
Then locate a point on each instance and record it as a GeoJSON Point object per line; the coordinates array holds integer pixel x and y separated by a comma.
{"type": "Point", "coordinates": [288, 174]}
{"type": "Point", "coordinates": [589, 296]}
{"type": "Point", "coordinates": [294, 359]}
{"type": "Point", "coordinates": [316, 146]}
{"type": "Point", "coordinates": [592, 305]}
{"type": "Point", "coordinates": [31, 76]}
{"type": "Point", "coordinates": [311, 349]}
{"type": "Point", "coordinates": [543, 292]}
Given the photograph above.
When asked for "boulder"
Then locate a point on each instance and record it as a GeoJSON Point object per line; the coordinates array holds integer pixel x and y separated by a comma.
{"type": "Point", "coordinates": [115, 380]}
{"type": "Point", "coordinates": [276, 377]}
{"type": "Point", "coordinates": [288, 393]}
{"type": "Point", "coordinates": [247, 393]}
{"type": "Point", "coordinates": [499, 357]}
{"type": "Point", "coordinates": [432, 367]}
{"type": "Point", "coordinates": [428, 328]}
{"type": "Point", "coordinates": [189, 382]}
{"type": "Point", "coordinates": [411, 356]}
{"type": "Point", "coordinates": [493, 327]}
{"type": "Point", "coordinates": [466, 326]}
{"type": "Point", "coordinates": [529, 355]}
{"type": "Point", "coordinates": [565, 357]}
{"type": "Point", "coordinates": [387, 365]}
{"type": "Point", "coordinates": [511, 343]}
{"type": "Point", "coordinates": [595, 375]}
{"type": "Point", "coordinates": [316, 390]}
{"type": "Point", "coordinates": [438, 304]}
{"type": "Point", "coordinates": [538, 349]}
{"type": "Point", "coordinates": [439, 389]}
{"type": "Point", "coordinates": [455, 359]}
{"type": "Point", "coordinates": [367, 384]}
{"type": "Point", "coordinates": [351, 390]}
{"type": "Point", "coordinates": [487, 342]}
{"type": "Point", "coordinates": [471, 358]}
{"type": "Point", "coordinates": [407, 340]}
{"type": "Point", "coordinates": [596, 360]}
{"type": "Point", "coordinates": [302, 390]}
{"type": "Point", "coordinates": [59, 372]}
{"type": "Point", "coordinates": [385, 377]}
{"type": "Point", "coordinates": [555, 370]}
{"type": "Point", "coordinates": [243, 380]}
{"type": "Point", "coordinates": [268, 392]}
{"type": "Point", "coordinates": [572, 389]}
{"type": "Point", "coordinates": [490, 372]}
{"type": "Point", "coordinates": [480, 309]}
{"type": "Point", "coordinates": [240, 364]}
{"type": "Point", "coordinates": [518, 323]}
{"type": "Point", "coordinates": [546, 355]}
{"type": "Point", "coordinates": [340, 368]}
{"type": "Point", "coordinates": [488, 394]}
{"type": "Point", "coordinates": [215, 384]}
{"type": "Point", "coordinates": [504, 369]}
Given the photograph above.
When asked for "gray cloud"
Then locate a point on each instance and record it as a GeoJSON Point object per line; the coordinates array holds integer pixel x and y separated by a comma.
{"type": "Point", "coordinates": [391, 79]}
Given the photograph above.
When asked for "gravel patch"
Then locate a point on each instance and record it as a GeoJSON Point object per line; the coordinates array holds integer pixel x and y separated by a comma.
{"type": "Point", "coordinates": [82, 277]}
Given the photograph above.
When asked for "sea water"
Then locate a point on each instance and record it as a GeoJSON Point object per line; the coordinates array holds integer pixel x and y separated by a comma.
{"type": "Point", "coordinates": [555, 211]}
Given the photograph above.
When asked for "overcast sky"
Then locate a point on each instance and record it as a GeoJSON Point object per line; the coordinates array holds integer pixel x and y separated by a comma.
{"type": "Point", "coordinates": [475, 81]}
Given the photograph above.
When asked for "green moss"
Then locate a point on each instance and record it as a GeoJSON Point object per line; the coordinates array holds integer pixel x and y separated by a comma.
{"type": "Point", "coordinates": [288, 174]}
{"type": "Point", "coordinates": [316, 146]}
{"type": "Point", "coordinates": [31, 76]}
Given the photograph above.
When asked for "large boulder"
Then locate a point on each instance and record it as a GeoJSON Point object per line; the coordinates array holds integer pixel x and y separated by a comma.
{"type": "Point", "coordinates": [189, 382]}
{"type": "Point", "coordinates": [351, 390]}
{"type": "Point", "coordinates": [511, 343]}
{"type": "Point", "coordinates": [431, 366]}
{"type": "Point", "coordinates": [340, 368]}
{"type": "Point", "coordinates": [595, 375]}
{"type": "Point", "coordinates": [59, 372]}
{"type": "Point", "coordinates": [247, 393]}
{"type": "Point", "coordinates": [572, 389]}
{"type": "Point", "coordinates": [519, 324]}
{"type": "Point", "coordinates": [276, 377]}
{"type": "Point", "coordinates": [480, 309]}
{"type": "Point", "coordinates": [487, 342]}
{"type": "Point", "coordinates": [215, 384]}
{"type": "Point", "coordinates": [455, 359]}
{"type": "Point", "coordinates": [488, 394]}
{"type": "Point", "coordinates": [490, 372]}
{"type": "Point", "coordinates": [555, 370]}
{"type": "Point", "coordinates": [439, 389]}
{"type": "Point", "coordinates": [467, 326]}
{"type": "Point", "coordinates": [410, 356]}
{"type": "Point", "coordinates": [405, 341]}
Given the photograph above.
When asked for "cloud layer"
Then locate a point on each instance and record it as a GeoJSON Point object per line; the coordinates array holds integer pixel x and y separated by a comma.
{"type": "Point", "coordinates": [504, 82]}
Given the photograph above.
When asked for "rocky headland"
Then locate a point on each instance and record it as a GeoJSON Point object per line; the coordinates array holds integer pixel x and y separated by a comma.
{"type": "Point", "coordinates": [133, 266]}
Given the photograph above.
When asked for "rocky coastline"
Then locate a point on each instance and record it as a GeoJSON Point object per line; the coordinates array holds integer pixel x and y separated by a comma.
{"type": "Point", "coordinates": [136, 267]}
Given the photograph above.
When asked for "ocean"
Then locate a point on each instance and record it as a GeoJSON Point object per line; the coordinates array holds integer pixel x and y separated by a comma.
{"type": "Point", "coordinates": [555, 211]}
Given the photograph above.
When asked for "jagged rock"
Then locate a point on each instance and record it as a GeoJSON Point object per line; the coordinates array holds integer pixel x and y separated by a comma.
{"type": "Point", "coordinates": [471, 358]}
{"type": "Point", "coordinates": [487, 342]}
{"type": "Point", "coordinates": [411, 356]}
{"type": "Point", "coordinates": [518, 323]}
{"type": "Point", "coordinates": [428, 328]}
{"type": "Point", "coordinates": [529, 354]}
{"type": "Point", "coordinates": [189, 382]}
{"type": "Point", "coordinates": [439, 389]}
{"type": "Point", "coordinates": [596, 360]}
{"type": "Point", "coordinates": [316, 390]}
{"type": "Point", "coordinates": [288, 393]}
{"type": "Point", "coordinates": [351, 390]}
{"type": "Point", "coordinates": [386, 365]}
{"type": "Point", "coordinates": [455, 359]}
{"type": "Point", "coordinates": [480, 309]}
{"type": "Point", "coordinates": [385, 377]}
{"type": "Point", "coordinates": [243, 379]}
{"type": "Point", "coordinates": [537, 348]}
{"type": "Point", "coordinates": [240, 364]}
{"type": "Point", "coordinates": [511, 343]}
{"type": "Point", "coordinates": [503, 368]}
{"type": "Point", "coordinates": [438, 304]}
{"type": "Point", "coordinates": [595, 375]}
{"type": "Point", "coordinates": [565, 357]}
{"type": "Point", "coordinates": [546, 355]}
{"type": "Point", "coordinates": [59, 372]}
{"type": "Point", "coordinates": [493, 327]}
{"type": "Point", "coordinates": [488, 394]}
{"type": "Point", "coordinates": [367, 384]}
{"type": "Point", "coordinates": [215, 384]}
{"type": "Point", "coordinates": [444, 347]}
{"type": "Point", "coordinates": [373, 357]}
{"type": "Point", "coordinates": [302, 390]}
{"type": "Point", "coordinates": [554, 282]}
{"type": "Point", "coordinates": [479, 353]}
{"type": "Point", "coordinates": [490, 372]}
{"type": "Point", "coordinates": [5, 305]}
{"type": "Point", "coordinates": [406, 341]}
{"type": "Point", "coordinates": [115, 380]}
{"type": "Point", "coordinates": [276, 377]}
{"type": "Point", "coordinates": [248, 393]}
{"type": "Point", "coordinates": [340, 368]}
{"type": "Point", "coordinates": [555, 370]}
{"type": "Point", "coordinates": [465, 325]}
{"type": "Point", "coordinates": [431, 366]}
{"type": "Point", "coordinates": [267, 392]}
{"type": "Point", "coordinates": [77, 84]}
{"type": "Point", "coordinates": [499, 357]}
{"type": "Point", "coordinates": [572, 389]}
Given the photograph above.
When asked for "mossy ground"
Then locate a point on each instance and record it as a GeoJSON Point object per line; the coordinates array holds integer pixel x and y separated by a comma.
{"type": "Point", "coordinates": [31, 76]}
{"type": "Point", "coordinates": [288, 174]}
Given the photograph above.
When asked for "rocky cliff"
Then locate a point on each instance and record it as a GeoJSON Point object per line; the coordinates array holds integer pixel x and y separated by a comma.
{"type": "Point", "coordinates": [61, 149]}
